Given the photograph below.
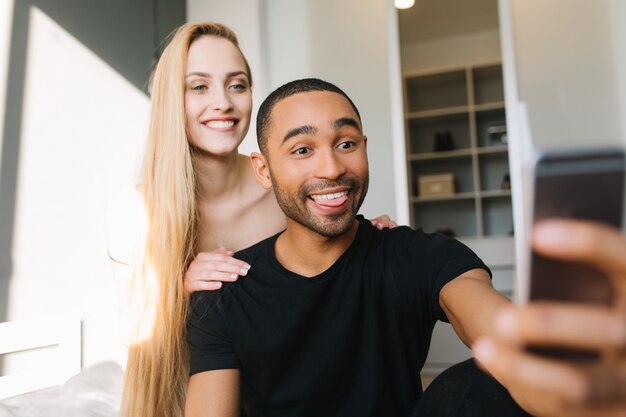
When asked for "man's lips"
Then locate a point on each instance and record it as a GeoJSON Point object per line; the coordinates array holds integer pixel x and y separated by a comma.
{"type": "Point", "coordinates": [333, 199]}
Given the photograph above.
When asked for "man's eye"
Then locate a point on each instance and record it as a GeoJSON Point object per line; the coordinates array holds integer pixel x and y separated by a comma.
{"type": "Point", "coordinates": [347, 144]}
{"type": "Point", "coordinates": [301, 151]}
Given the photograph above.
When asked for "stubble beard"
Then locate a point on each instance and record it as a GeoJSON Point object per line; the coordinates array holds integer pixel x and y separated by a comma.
{"type": "Point", "coordinates": [296, 208]}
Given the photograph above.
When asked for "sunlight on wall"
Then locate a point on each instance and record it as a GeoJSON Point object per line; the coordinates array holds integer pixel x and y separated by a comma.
{"type": "Point", "coordinates": [82, 133]}
{"type": "Point", "coordinates": [6, 13]}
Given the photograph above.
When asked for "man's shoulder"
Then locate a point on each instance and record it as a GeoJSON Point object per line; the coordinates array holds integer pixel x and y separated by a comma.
{"type": "Point", "coordinates": [262, 249]}
{"type": "Point", "coordinates": [404, 235]}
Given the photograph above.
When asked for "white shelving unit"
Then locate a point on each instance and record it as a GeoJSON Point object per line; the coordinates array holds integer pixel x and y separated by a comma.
{"type": "Point", "coordinates": [464, 101]}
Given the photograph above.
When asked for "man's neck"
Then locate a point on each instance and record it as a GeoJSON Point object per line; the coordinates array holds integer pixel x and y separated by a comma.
{"type": "Point", "coordinates": [307, 253]}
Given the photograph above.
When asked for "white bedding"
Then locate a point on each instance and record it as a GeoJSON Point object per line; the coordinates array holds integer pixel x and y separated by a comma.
{"type": "Point", "coordinates": [95, 392]}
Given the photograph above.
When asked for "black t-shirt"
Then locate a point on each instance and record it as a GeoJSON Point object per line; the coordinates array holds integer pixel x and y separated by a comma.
{"type": "Point", "coordinates": [350, 341]}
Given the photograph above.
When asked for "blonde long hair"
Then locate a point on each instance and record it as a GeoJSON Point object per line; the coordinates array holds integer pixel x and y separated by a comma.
{"type": "Point", "coordinates": [158, 366]}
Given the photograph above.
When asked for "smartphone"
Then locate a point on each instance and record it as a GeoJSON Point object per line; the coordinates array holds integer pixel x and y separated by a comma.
{"type": "Point", "coordinates": [583, 184]}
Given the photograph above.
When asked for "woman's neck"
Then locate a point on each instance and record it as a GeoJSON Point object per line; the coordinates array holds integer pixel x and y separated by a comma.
{"type": "Point", "coordinates": [220, 177]}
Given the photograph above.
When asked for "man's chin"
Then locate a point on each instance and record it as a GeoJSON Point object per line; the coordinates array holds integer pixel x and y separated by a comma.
{"type": "Point", "coordinates": [333, 228]}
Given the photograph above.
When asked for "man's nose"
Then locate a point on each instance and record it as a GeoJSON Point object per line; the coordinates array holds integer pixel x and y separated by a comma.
{"type": "Point", "coordinates": [329, 165]}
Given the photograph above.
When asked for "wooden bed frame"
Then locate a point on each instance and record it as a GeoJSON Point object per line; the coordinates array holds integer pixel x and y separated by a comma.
{"type": "Point", "coordinates": [63, 333]}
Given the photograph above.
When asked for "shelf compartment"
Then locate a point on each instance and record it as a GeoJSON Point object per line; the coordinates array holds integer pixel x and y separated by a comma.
{"type": "Point", "coordinates": [422, 132]}
{"type": "Point", "coordinates": [497, 216]}
{"type": "Point", "coordinates": [460, 168]}
{"type": "Point", "coordinates": [458, 216]}
{"type": "Point", "coordinates": [499, 105]}
{"type": "Point", "coordinates": [493, 168]}
{"type": "Point", "coordinates": [424, 156]}
{"type": "Point", "coordinates": [488, 85]}
{"type": "Point", "coordinates": [496, 149]}
{"type": "Point", "coordinates": [436, 91]}
{"type": "Point", "coordinates": [495, 193]}
{"type": "Point", "coordinates": [457, 196]}
{"type": "Point", "coordinates": [485, 119]}
{"type": "Point", "coordinates": [448, 111]}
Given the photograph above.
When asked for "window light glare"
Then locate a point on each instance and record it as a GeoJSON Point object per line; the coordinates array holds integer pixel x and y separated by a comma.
{"type": "Point", "coordinates": [403, 4]}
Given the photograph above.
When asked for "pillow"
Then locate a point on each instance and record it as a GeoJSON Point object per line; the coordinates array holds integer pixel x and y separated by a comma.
{"type": "Point", "coordinates": [95, 392]}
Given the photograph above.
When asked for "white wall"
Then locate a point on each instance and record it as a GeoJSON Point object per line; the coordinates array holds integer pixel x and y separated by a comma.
{"type": "Point", "coordinates": [566, 69]}
{"type": "Point", "coordinates": [618, 15]}
{"type": "Point", "coordinates": [82, 131]}
{"type": "Point", "coordinates": [565, 84]}
{"type": "Point", "coordinates": [453, 51]}
{"type": "Point", "coordinates": [6, 14]}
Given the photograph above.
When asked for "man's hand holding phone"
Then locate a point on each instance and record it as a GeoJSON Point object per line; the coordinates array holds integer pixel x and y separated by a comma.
{"type": "Point", "coordinates": [562, 352]}
{"type": "Point", "coordinates": [547, 386]}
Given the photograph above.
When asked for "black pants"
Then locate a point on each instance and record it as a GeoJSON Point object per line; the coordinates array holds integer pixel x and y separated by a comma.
{"type": "Point", "coordinates": [463, 390]}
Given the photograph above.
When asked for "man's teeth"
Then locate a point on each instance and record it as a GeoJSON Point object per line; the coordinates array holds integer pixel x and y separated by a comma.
{"type": "Point", "coordinates": [220, 124]}
{"type": "Point", "coordinates": [318, 197]}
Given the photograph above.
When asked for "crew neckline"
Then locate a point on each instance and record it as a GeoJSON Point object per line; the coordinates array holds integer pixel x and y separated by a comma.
{"type": "Point", "coordinates": [324, 275]}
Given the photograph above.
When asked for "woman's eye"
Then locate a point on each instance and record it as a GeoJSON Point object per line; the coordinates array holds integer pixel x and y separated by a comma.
{"type": "Point", "coordinates": [238, 87]}
{"type": "Point", "coordinates": [199, 88]}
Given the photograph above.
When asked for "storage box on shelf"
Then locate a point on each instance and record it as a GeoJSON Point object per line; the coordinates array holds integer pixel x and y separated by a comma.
{"type": "Point", "coordinates": [464, 106]}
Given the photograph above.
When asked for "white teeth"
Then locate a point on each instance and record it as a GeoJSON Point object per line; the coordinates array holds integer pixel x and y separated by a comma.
{"type": "Point", "coordinates": [220, 124]}
{"type": "Point", "coordinates": [318, 197]}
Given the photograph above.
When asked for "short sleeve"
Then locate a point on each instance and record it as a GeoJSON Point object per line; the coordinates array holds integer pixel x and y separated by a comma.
{"type": "Point", "coordinates": [451, 259]}
{"type": "Point", "coordinates": [207, 335]}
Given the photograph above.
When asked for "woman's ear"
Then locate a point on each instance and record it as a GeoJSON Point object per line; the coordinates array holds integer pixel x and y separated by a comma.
{"type": "Point", "coordinates": [261, 170]}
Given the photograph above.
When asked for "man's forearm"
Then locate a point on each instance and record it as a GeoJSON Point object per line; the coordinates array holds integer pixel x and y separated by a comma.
{"type": "Point", "coordinates": [470, 303]}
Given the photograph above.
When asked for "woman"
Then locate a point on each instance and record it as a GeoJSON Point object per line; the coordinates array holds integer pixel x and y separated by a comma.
{"type": "Point", "coordinates": [197, 196]}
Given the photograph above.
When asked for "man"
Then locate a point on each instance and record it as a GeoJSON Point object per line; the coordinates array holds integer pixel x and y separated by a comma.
{"type": "Point", "coordinates": [335, 317]}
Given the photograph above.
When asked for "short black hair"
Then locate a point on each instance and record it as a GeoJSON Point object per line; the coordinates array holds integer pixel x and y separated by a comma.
{"type": "Point", "coordinates": [264, 116]}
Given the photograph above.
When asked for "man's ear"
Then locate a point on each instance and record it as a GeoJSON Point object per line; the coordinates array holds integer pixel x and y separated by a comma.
{"type": "Point", "coordinates": [261, 170]}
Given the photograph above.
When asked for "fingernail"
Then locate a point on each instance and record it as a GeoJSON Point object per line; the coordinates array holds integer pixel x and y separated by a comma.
{"type": "Point", "coordinates": [243, 271]}
{"type": "Point", "coordinates": [217, 285]}
{"type": "Point", "coordinates": [485, 350]}
{"type": "Point", "coordinates": [234, 276]}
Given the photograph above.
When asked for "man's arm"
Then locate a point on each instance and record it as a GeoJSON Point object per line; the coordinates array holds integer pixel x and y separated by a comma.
{"type": "Point", "coordinates": [213, 394]}
{"type": "Point", "coordinates": [471, 303]}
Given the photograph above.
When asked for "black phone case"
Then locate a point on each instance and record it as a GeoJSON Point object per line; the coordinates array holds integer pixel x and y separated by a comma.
{"type": "Point", "coordinates": [585, 185]}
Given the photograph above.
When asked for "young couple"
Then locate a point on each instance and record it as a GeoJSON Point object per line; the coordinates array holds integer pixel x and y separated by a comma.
{"type": "Point", "coordinates": [335, 315]}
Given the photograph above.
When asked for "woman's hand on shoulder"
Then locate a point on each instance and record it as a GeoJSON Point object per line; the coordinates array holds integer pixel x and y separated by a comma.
{"type": "Point", "coordinates": [383, 222]}
{"type": "Point", "coordinates": [209, 269]}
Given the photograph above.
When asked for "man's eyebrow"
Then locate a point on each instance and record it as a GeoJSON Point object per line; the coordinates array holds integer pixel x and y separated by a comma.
{"type": "Point", "coordinates": [301, 130]}
{"type": "Point", "coordinates": [346, 121]}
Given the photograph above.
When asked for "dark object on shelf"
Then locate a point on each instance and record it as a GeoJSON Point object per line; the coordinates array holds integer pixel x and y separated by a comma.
{"type": "Point", "coordinates": [443, 141]}
{"type": "Point", "coordinates": [497, 133]}
{"type": "Point", "coordinates": [506, 182]}
{"type": "Point", "coordinates": [446, 232]}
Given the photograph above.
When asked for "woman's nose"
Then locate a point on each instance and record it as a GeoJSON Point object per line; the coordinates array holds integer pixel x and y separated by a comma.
{"type": "Point", "coordinates": [220, 100]}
